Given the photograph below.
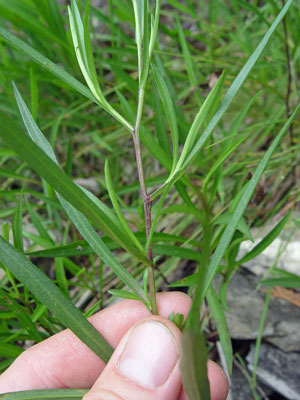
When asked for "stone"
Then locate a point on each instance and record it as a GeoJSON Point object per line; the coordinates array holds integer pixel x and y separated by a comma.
{"type": "Point", "coordinates": [245, 304]}
{"type": "Point", "coordinates": [277, 370]}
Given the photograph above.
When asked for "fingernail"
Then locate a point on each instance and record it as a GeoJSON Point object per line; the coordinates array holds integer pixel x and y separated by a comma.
{"type": "Point", "coordinates": [150, 354]}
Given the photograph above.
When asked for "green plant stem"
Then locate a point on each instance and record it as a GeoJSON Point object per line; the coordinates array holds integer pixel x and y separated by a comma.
{"type": "Point", "coordinates": [146, 198]}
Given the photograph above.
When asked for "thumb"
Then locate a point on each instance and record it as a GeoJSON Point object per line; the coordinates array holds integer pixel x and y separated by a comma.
{"type": "Point", "coordinates": [144, 366]}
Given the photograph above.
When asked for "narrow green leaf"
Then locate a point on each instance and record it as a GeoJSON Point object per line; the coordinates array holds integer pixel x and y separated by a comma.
{"type": "Point", "coordinates": [61, 278]}
{"type": "Point", "coordinates": [193, 365]}
{"type": "Point", "coordinates": [154, 27]}
{"type": "Point", "coordinates": [56, 19]}
{"type": "Point", "coordinates": [160, 129]}
{"type": "Point", "coordinates": [221, 324]}
{"type": "Point", "coordinates": [193, 132]}
{"type": "Point", "coordinates": [17, 226]}
{"type": "Point", "coordinates": [177, 251]}
{"type": "Point", "coordinates": [48, 169]}
{"type": "Point", "coordinates": [145, 287]}
{"type": "Point", "coordinates": [49, 394]}
{"type": "Point", "coordinates": [145, 44]}
{"type": "Point", "coordinates": [283, 282]}
{"type": "Point", "coordinates": [20, 313]}
{"type": "Point", "coordinates": [45, 63]}
{"type": "Point", "coordinates": [242, 225]}
{"type": "Point", "coordinates": [227, 153]}
{"type": "Point", "coordinates": [34, 91]}
{"type": "Point", "coordinates": [47, 293]}
{"type": "Point", "coordinates": [100, 248]}
{"type": "Point", "coordinates": [182, 7]}
{"type": "Point", "coordinates": [236, 85]}
{"type": "Point", "coordinates": [59, 72]}
{"type": "Point", "coordinates": [123, 294]}
{"type": "Point", "coordinates": [5, 230]}
{"type": "Point", "coordinates": [14, 11]}
{"type": "Point", "coordinates": [82, 247]}
{"type": "Point", "coordinates": [188, 62]}
{"type": "Point", "coordinates": [266, 241]}
{"type": "Point", "coordinates": [69, 158]}
{"type": "Point", "coordinates": [83, 48]}
{"type": "Point", "coordinates": [189, 281]}
{"type": "Point", "coordinates": [10, 351]}
{"type": "Point", "coordinates": [169, 110]}
{"type": "Point", "coordinates": [115, 203]}
{"type": "Point", "coordinates": [79, 219]}
{"type": "Point", "coordinates": [37, 222]}
{"type": "Point", "coordinates": [241, 207]}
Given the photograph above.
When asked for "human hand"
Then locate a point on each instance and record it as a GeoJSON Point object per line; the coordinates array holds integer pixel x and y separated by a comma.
{"type": "Point", "coordinates": [144, 366]}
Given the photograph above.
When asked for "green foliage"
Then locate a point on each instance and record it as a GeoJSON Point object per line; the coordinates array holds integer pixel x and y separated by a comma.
{"type": "Point", "coordinates": [153, 207]}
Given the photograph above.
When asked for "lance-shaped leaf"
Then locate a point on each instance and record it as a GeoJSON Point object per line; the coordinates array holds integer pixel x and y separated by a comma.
{"type": "Point", "coordinates": [48, 169]}
{"type": "Point", "coordinates": [222, 328]}
{"type": "Point", "coordinates": [241, 207]}
{"type": "Point", "coordinates": [83, 48]}
{"type": "Point", "coordinates": [236, 85]}
{"type": "Point", "coordinates": [48, 294]}
{"type": "Point", "coordinates": [48, 394]}
{"type": "Point", "coordinates": [60, 73]}
{"type": "Point", "coordinates": [82, 224]}
{"type": "Point", "coordinates": [193, 365]}
{"type": "Point", "coordinates": [193, 152]}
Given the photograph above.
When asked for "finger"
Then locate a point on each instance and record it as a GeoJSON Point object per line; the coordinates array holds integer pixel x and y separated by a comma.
{"type": "Point", "coordinates": [63, 361]}
{"type": "Point", "coordinates": [145, 365]}
{"type": "Point", "coordinates": [219, 386]}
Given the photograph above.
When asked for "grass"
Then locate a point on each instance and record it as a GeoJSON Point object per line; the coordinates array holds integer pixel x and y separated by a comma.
{"type": "Point", "coordinates": [189, 139]}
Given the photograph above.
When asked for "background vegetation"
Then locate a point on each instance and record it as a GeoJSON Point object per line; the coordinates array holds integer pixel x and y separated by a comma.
{"type": "Point", "coordinates": [197, 41]}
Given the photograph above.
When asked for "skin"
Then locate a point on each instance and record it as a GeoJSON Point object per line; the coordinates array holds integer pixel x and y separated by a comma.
{"type": "Point", "coordinates": [63, 361]}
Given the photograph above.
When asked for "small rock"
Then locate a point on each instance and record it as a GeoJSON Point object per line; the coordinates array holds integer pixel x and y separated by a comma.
{"type": "Point", "coordinates": [278, 370]}
{"type": "Point", "coordinates": [246, 304]}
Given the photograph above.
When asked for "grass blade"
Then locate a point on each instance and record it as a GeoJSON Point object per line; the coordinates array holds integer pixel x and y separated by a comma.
{"type": "Point", "coordinates": [47, 293]}
{"type": "Point", "coordinates": [48, 169]}
{"type": "Point", "coordinates": [188, 62]}
{"type": "Point", "coordinates": [78, 218]}
{"type": "Point", "coordinates": [46, 64]}
{"type": "Point", "coordinates": [83, 48]}
{"type": "Point", "coordinates": [10, 351]}
{"type": "Point", "coordinates": [241, 207]}
{"type": "Point", "coordinates": [49, 394]}
{"type": "Point", "coordinates": [283, 282]}
{"type": "Point", "coordinates": [17, 226]}
{"type": "Point", "coordinates": [95, 242]}
{"type": "Point", "coordinates": [123, 294]}
{"type": "Point", "coordinates": [59, 72]}
{"type": "Point", "coordinates": [199, 120]}
{"type": "Point", "coordinates": [222, 328]}
{"type": "Point", "coordinates": [236, 85]}
{"type": "Point", "coordinates": [22, 316]}
{"type": "Point", "coordinates": [227, 153]}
